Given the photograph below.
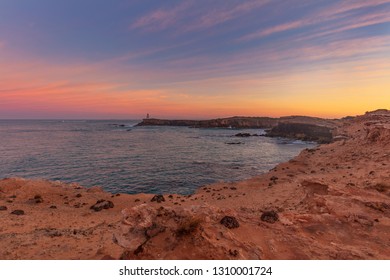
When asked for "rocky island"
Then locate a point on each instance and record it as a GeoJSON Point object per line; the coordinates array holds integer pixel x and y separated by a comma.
{"type": "Point", "coordinates": [329, 202]}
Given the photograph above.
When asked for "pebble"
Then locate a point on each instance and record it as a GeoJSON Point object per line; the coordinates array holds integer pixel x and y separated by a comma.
{"type": "Point", "coordinates": [17, 212]}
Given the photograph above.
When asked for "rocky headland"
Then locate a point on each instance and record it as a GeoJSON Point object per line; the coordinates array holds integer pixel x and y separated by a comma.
{"type": "Point", "coordinates": [233, 122]}
{"type": "Point", "coordinates": [330, 202]}
{"type": "Point", "coordinates": [296, 127]}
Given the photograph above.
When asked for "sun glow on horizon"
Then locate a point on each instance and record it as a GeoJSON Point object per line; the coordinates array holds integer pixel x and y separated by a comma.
{"type": "Point", "coordinates": [326, 59]}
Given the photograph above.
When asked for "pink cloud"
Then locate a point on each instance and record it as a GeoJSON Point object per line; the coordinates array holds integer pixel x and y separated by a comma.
{"type": "Point", "coordinates": [215, 17]}
{"type": "Point", "coordinates": [274, 29]}
{"type": "Point", "coordinates": [162, 18]}
{"type": "Point", "coordinates": [270, 60]}
{"type": "Point", "coordinates": [197, 19]}
{"type": "Point", "coordinates": [367, 20]}
{"type": "Point", "coordinates": [349, 5]}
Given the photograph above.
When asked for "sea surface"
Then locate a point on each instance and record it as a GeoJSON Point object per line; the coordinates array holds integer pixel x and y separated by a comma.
{"type": "Point", "coordinates": [123, 158]}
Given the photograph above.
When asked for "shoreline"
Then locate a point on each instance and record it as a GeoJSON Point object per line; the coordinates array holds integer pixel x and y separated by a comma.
{"type": "Point", "coordinates": [329, 202]}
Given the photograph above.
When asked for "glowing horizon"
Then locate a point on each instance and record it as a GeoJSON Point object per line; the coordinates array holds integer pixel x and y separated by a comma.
{"type": "Point", "coordinates": [184, 59]}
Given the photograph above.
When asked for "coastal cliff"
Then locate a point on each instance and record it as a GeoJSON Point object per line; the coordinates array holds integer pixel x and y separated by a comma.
{"type": "Point", "coordinates": [241, 122]}
{"type": "Point", "coordinates": [330, 202]}
{"type": "Point", "coordinates": [233, 122]}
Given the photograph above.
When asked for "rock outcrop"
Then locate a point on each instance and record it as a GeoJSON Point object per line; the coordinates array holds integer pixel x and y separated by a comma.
{"type": "Point", "coordinates": [234, 122]}
{"type": "Point", "coordinates": [239, 122]}
{"type": "Point", "coordinates": [301, 131]}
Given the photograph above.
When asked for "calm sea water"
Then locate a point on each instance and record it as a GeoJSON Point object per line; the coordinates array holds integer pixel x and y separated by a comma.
{"type": "Point", "coordinates": [136, 159]}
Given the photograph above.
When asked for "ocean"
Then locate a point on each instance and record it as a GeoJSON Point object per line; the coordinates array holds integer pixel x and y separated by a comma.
{"type": "Point", "coordinates": [123, 158]}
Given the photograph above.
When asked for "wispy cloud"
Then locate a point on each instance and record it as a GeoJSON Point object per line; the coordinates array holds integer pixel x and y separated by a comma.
{"type": "Point", "coordinates": [354, 23]}
{"type": "Point", "coordinates": [195, 17]}
{"type": "Point", "coordinates": [224, 14]}
{"type": "Point", "coordinates": [350, 5]}
{"type": "Point", "coordinates": [161, 18]}
{"type": "Point", "coordinates": [333, 13]}
{"type": "Point", "coordinates": [275, 29]}
{"type": "Point", "coordinates": [272, 60]}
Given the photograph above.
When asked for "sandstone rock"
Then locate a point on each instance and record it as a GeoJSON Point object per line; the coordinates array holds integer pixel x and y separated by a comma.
{"type": "Point", "coordinates": [269, 217]}
{"type": "Point", "coordinates": [315, 188]}
{"type": "Point", "coordinates": [230, 222]}
{"type": "Point", "coordinates": [186, 232]}
{"type": "Point", "coordinates": [38, 199]}
{"type": "Point", "coordinates": [102, 204]}
{"type": "Point", "coordinates": [158, 198]}
{"type": "Point", "coordinates": [382, 188]}
{"type": "Point", "coordinates": [138, 225]}
{"type": "Point", "coordinates": [379, 206]}
{"type": "Point", "coordinates": [363, 220]}
{"type": "Point", "coordinates": [139, 217]}
{"type": "Point", "coordinates": [17, 212]}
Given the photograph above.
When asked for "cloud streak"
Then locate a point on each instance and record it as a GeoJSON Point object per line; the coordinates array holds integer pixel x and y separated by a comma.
{"type": "Point", "coordinates": [336, 12]}
{"type": "Point", "coordinates": [186, 16]}
{"type": "Point", "coordinates": [161, 18]}
{"type": "Point", "coordinates": [222, 15]}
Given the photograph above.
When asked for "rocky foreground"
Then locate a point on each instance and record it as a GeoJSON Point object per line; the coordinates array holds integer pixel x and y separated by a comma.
{"type": "Point", "coordinates": [331, 202]}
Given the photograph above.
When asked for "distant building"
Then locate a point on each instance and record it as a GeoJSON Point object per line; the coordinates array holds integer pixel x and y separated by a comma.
{"type": "Point", "coordinates": [147, 116]}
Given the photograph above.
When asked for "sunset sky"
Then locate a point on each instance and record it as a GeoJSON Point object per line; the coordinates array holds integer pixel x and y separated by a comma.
{"type": "Point", "coordinates": [193, 58]}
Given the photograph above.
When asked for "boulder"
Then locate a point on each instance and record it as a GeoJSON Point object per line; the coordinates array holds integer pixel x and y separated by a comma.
{"type": "Point", "coordinates": [302, 131]}
{"type": "Point", "coordinates": [229, 222]}
{"type": "Point", "coordinates": [269, 217]}
{"type": "Point", "coordinates": [158, 198]}
{"type": "Point", "coordinates": [102, 204]}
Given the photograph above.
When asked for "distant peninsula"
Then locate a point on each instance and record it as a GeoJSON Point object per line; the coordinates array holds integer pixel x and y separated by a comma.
{"type": "Point", "coordinates": [296, 127]}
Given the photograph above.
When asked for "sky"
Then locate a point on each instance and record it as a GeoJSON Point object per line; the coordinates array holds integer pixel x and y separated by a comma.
{"type": "Point", "coordinates": [199, 59]}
